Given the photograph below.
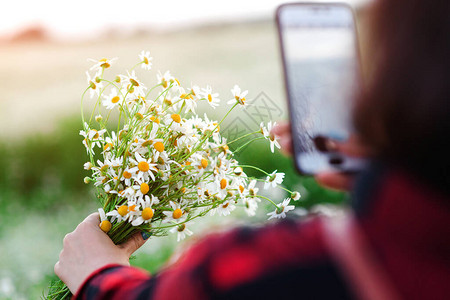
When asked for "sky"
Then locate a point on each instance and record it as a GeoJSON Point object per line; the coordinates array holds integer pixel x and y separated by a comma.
{"type": "Point", "coordinates": [87, 18]}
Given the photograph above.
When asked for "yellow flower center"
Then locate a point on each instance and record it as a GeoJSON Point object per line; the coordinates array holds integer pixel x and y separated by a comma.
{"type": "Point", "coordinates": [177, 213]}
{"type": "Point", "coordinates": [209, 97]}
{"type": "Point", "coordinates": [159, 146]}
{"type": "Point", "coordinates": [178, 82]}
{"type": "Point", "coordinates": [155, 119]}
{"type": "Point", "coordinates": [96, 135]}
{"type": "Point", "coordinates": [145, 60]}
{"type": "Point", "coordinates": [164, 83]}
{"type": "Point", "coordinates": [115, 99]}
{"type": "Point", "coordinates": [147, 213]}
{"type": "Point", "coordinates": [223, 183]}
{"type": "Point", "coordinates": [105, 226]}
{"type": "Point", "coordinates": [139, 116]}
{"type": "Point", "coordinates": [176, 118]}
{"type": "Point", "coordinates": [143, 166]}
{"type": "Point", "coordinates": [104, 168]}
{"type": "Point", "coordinates": [183, 190]}
{"type": "Point", "coordinates": [184, 96]}
{"type": "Point", "coordinates": [147, 143]}
{"type": "Point", "coordinates": [204, 163]}
{"type": "Point", "coordinates": [127, 175]}
{"type": "Point", "coordinates": [122, 210]}
{"type": "Point", "coordinates": [144, 188]}
{"type": "Point", "coordinates": [132, 207]}
{"type": "Point", "coordinates": [241, 188]}
{"type": "Point", "coordinates": [226, 205]}
{"type": "Point", "coordinates": [105, 63]}
{"type": "Point", "coordinates": [134, 82]}
{"type": "Point", "coordinates": [107, 146]}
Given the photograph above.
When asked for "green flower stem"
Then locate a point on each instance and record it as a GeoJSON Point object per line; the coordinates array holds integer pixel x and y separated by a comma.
{"type": "Point", "coordinates": [256, 168]}
{"type": "Point", "coordinates": [265, 198]}
{"type": "Point", "coordinates": [246, 144]}
{"type": "Point", "coordinates": [244, 136]}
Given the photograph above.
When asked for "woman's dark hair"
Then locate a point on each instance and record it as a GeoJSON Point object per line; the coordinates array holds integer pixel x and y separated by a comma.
{"type": "Point", "coordinates": [403, 110]}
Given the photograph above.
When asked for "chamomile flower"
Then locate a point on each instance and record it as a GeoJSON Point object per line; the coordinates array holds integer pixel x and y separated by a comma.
{"type": "Point", "coordinates": [182, 231]}
{"type": "Point", "coordinates": [101, 64]}
{"type": "Point", "coordinates": [224, 209]}
{"type": "Point", "coordinates": [146, 60]}
{"type": "Point", "coordinates": [252, 189]}
{"type": "Point", "coordinates": [176, 214]}
{"type": "Point", "coordinates": [210, 97]}
{"type": "Point", "coordinates": [281, 210]}
{"type": "Point", "coordinates": [105, 224]}
{"type": "Point", "coordinates": [165, 79]}
{"type": "Point", "coordinates": [126, 176]}
{"type": "Point", "coordinates": [144, 168]}
{"type": "Point", "coordinates": [250, 206]}
{"type": "Point", "coordinates": [112, 100]}
{"type": "Point", "coordinates": [239, 96]}
{"type": "Point", "coordinates": [95, 84]}
{"type": "Point", "coordinates": [133, 84]}
{"type": "Point", "coordinates": [273, 179]}
{"type": "Point", "coordinates": [268, 135]}
{"type": "Point", "coordinates": [147, 212]}
{"type": "Point", "coordinates": [295, 196]}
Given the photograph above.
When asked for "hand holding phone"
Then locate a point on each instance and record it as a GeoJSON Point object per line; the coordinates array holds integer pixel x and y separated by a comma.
{"type": "Point", "coordinates": [321, 67]}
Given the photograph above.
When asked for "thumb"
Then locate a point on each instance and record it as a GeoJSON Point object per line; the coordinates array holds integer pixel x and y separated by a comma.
{"type": "Point", "coordinates": [133, 243]}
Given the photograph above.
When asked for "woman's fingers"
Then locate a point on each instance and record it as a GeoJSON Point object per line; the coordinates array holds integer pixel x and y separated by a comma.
{"type": "Point", "coordinates": [133, 243]}
{"type": "Point", "coordinates": [335, 181]}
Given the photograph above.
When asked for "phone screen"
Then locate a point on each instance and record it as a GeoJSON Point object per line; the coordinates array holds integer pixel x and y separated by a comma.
{"type": "Point", "coordinates": [321, 70]}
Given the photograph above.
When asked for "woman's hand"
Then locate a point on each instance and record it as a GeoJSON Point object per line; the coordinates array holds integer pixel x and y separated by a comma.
{"type": "Point", "coordinates": [87, 249]}
{"type": "Point", "coordinates": [334, 180]}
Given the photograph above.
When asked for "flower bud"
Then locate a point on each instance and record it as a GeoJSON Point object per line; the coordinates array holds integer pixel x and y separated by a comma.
{"type": "Point", "coordinates": [98, 118]}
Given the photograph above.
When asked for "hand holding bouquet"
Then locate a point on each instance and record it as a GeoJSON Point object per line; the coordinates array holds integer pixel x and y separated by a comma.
{"type": "Point", "coordinates": [162, 166]}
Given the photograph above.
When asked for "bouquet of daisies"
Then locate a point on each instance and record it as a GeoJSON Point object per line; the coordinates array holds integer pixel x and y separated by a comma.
{"type": "Point", "coordinates": [162, 165]}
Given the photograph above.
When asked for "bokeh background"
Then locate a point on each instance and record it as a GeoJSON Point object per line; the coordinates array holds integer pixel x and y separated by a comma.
{"type": "Point", "coordinates": [44, 46]}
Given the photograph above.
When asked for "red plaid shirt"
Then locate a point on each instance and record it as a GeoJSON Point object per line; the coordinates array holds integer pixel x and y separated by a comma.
{"type": "Point", "coordinates": [407, 232]}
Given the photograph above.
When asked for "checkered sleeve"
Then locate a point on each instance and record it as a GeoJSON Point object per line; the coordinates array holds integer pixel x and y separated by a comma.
{"type": "Point", "coordinates": [245, 262]}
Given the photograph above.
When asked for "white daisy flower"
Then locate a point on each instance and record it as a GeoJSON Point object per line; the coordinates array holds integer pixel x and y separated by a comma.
{"type": "Point", "coordinates": [95, 84]}
{"type": "Point", "coordinates": [182, 231]}
{"type": "Point", "coordinates": [225, 208]}
{"type": "Point", "coordinates": [238, 95]}
{"type": "Point", "coordinates": [250, 206]}
{"type": "Point", "coordinates": [295, 196]}
{"type": "Point", "coordinates": [105, 224]}
{"type": "Point", "coordinates": [273, 179]}
{"type": "Point", "coordinates": [101, 64]}
{"type": "Point", "coordinates": [281, 210]}
{"type": "Point", "coordinates": [175, 214]}
{"type": "Point", "coordinates": [132, 83]}
{"type": "Point", "coordinates": [121, 213]}
{"type": "Point", "coordinates": [126, 176]}
{"type": "Point", "coordinates": [211, 97]}
{"type": "Point", "coordinates": [144, 168]}
{"type": "Point", "coordinates": [146, 60]}
{"type": "Point", "coordinates": [147, 210]}
{"type": "Point", "coordinates": [165, 79]}
{"type": "Point", "coordinates": [268, 135]}
{"type": "Point", "coordinates": [112, 100]}
{"type": "Point", "coordinates": [252, 190]}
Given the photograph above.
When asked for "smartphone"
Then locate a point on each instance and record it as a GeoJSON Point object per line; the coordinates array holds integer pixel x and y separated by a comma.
{"type": "Point", "coordinates": [322, 73]}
